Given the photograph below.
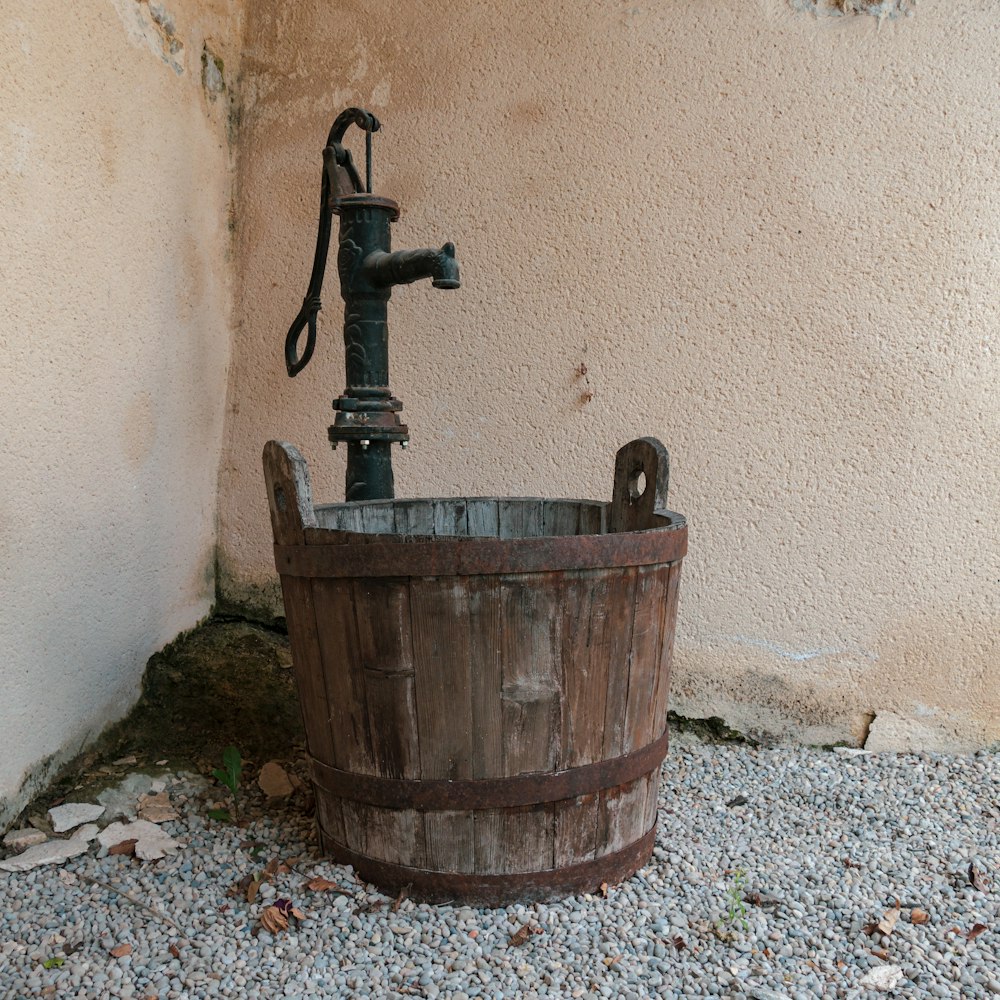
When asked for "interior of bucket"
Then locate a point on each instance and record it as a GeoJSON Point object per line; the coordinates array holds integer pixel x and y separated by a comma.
{"type": "Point", "coordinates": [478, 517]}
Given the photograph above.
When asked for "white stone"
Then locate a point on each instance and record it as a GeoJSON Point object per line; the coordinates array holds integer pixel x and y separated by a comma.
{"type": "Point", "coordinates": [72, 814]}
{"type": "Point", "coordinates": [151, 842]}
{"type": "Point", "coordinates": [122, 800]}
{"type": "Point", "coordinates": [885, 977]}
{"type": "Point", "coordinates": [18, 840]}
{"type": "Point", "coordinates": [52, 852]}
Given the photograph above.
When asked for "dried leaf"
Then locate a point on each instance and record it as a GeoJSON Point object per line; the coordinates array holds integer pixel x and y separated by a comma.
{"type": "Point", "coordinates": [740, 800]}
{"type": "Point", "coordinates": [124, 847]}
{"type": "Point", "coordinates": [271, 867]}
{"type": "Point", "coordinates": [604, 889]}
{"type": "Point", "coordinates": [977, 929]}
{"type": "Point", "coordinates": [320, 884]}
{"type": "Point", "coordinates": [174, 950]}
{"type": "Point", "coordinates": [273, 920]}
{"type": "Point", "coordinates": [918, 916]}
{"type": "Point", "coordinates": [398, 901]}
{"type": "Point", "coordinates": [881, 953]}
{"type": "Point", "coordinates": [520, 936]}
{"type": "Point", "coordinates": [679, 943]}
{"type": "Point", "coordinates": [239, 888]}
{"type": "Point", "coordinates": [253, 888]}
{"type": "Point", "coordinates": [888, 921]}
{"type": "Point", "coordinates": [976, 878]}
{"type": "Point", "coordinates": [288, 909]}
{"type": "Point", "coordinates": [121, 951]}
{"type": "Point", "coordinates": [273, 781]}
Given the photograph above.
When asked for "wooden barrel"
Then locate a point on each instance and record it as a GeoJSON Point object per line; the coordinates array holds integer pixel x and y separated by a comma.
{"type": "Point", "coordinates": [483, 680]}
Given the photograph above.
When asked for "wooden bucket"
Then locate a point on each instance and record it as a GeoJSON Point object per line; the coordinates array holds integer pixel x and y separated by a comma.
{"type": "Point", "coordinates": [483, 680]}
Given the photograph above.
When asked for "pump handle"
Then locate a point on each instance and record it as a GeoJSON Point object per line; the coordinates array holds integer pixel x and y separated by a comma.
{"type": "Point", "coordinates": [340, 177]}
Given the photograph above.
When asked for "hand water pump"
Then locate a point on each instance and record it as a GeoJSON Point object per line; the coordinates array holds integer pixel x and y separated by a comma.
{"type": "Point", "coordinates": [367, 412]}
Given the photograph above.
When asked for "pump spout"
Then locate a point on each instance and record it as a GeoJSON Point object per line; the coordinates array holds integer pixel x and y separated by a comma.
{"type": "Point", "coordinates": [402, 267]}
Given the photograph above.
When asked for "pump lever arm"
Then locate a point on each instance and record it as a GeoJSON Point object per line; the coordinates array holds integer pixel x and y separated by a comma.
{"type": "Point", "coordinates": [340, 177]}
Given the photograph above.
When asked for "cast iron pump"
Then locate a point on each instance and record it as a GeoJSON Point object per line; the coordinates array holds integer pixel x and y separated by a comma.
{"type": "Point", "coordinates": [367, 412]}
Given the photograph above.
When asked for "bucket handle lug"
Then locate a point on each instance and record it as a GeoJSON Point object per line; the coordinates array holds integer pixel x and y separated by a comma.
{"type": "Point", "coordinates": [642, 475]}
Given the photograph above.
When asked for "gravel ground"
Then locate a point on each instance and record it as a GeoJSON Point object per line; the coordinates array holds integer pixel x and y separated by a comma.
{"type": "Point", "coordinates": [766, 899]}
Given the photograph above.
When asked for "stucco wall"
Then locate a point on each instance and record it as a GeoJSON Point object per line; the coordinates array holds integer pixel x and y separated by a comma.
{"type": "Point", "coordinates": [770, 235]}
{"type": "Point", "coordinates": [114, 328]}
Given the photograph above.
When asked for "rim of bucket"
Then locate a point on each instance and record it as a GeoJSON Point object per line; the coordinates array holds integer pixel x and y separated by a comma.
{"type": "Point", "coordinates": [330, 552]}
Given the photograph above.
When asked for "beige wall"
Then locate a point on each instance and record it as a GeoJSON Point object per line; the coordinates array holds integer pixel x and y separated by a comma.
{"type": "Point", "coordinates": [770, 236]}
{"type": "Point", "coordinates": [114, 327]}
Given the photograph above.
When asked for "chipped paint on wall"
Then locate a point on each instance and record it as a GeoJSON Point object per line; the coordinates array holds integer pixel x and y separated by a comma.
{"type": "Point", "coordinates": [881, 9]}
{"type": "Point", "coordinates": [212, 75]}
{"type": "Point", "coordinates": [151, 24]}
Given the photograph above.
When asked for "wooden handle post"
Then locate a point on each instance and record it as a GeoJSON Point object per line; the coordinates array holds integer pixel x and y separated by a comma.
{"type": "Point", "coordinates": [289, 494]}
{"type": "Point", "coordinates": [634, 501]}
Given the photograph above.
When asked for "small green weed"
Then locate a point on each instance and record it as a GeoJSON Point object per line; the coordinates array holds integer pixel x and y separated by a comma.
{"type": "Point", "coordinates": [53, 963]}
{"type": "Point", "coordinates": [736, 911]}
{"type": "Point", "coordinates": [229, 774]}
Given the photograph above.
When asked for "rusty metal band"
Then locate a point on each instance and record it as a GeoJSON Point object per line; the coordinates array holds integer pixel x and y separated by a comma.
{"type": "Point", "coordinates": [489, 793]}
{"type": "Point", "coordinates": [480, 556]}
{"type": "Point", "coordinates": [496, 890]}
